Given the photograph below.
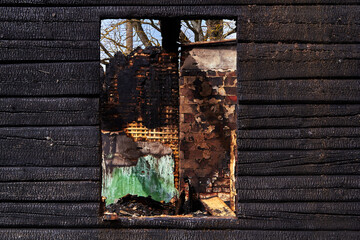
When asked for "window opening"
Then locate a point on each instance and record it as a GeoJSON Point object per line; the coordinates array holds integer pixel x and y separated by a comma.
{"type": "Point", "coordinates": [168, 123]}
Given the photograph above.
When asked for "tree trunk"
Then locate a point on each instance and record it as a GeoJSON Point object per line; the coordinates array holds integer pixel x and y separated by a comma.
{"type": "Point", "coordinates": [141, 34]}
{"type": "Point", "coordinates": [198, 33]}
{"type": "Point", "coordinates": [129, 37]}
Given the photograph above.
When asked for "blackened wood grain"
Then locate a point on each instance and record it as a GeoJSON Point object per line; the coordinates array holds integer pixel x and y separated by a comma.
{"type": "Point", "coordinates": [174, 234]}
{"type": "Point", "coordinates": [299, 144]}
{"type": "Point", "coordinates": [161, 11]}
{"type": "Point", "coordinates": [168, 3]}
{"type": "Point", "coordinates": [298, 188]}
{"type": "Point", "coordinates": [303, 133]}
{"type": "Point", "coordinates": [49, 146]}
{"type": "Point", "coordinates": [338, 24]}
{"type": "Point", "coordinates": [49, 214]}
{"type": "Point", "coordinates": [70, 31]}
{"type": "Point", "coordinates": [47, 14]}
{"type": "Point", "coordinates": [49, 111]}
{"type": "Point", "coordinates": [297, 162]}
{"type": "Point", "coordinates": [301, 90]}
{"type": "Point", "coordinates": [49, 79]}
{"type": "Point", "coordinates": [301, 139]}
{"type": "Point", "coordinates": [69, 191]}
{"type": "Point", "coordinates": [297, 61]}
{"type": "Point", "coordinates": [22, 50]}
{"type": "Point", "coordinates": [18, 174]}
{"type": "Point", "coordinates": [300, 215]}
{"type": "Point", "coordinates": [171, 222]}
{"type": "Point", "coordinates": [298, 116]}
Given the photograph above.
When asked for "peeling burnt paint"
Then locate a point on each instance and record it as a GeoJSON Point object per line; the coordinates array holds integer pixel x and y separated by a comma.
{"type": "Point", "coordinates": [140, 125]}
{"type": "Point", "coordinates": [139, 162]}
{"type": "Point", "coordinates": [150, 177]}
{"type": "Point", "coordinates": [142, 85]}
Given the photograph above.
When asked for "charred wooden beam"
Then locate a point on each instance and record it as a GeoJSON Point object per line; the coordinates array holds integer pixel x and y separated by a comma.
{"type": "Point", "coordinates": [170, 31]}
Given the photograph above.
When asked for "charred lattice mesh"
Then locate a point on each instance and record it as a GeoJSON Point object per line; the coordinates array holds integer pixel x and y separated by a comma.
{"type": "Point", "coordinates": [168, 135]}
{"type": "Point", "coordinates": [141, 98]}
{"type": "Point", "coordinates": [141, 86]}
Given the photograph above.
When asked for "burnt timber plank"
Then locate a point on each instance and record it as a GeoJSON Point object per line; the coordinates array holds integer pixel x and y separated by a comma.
{"type": "Point", "coordinates": [48, 14]}
{"type": "Point", "coordinates": [182, 12]}
{"type": "Point", "coordinates": [297, 162]}
{"type": "Point", "coordinates": [301, 90]}
{"type": "Point", "coordinates": [50, 79]}
{"type": "Point", "coordinates": [300, 215]}
{"type": "Point", "coordinates": [302, 133]}
{"type": "Point", "coordinates": [155, 234]}
{"type": "Point", "coordinates": [325, 24]}
{"type": "Point", "coordinates": [299, 144]}
{"type": "Point", "coordinates": [49, 146]}
{"type": "Point", "coordinates": [75, 31]}
{"type": "Point", "coordinates": [48, 111]}
{"type": "Point", "coordinates": [49, 214]}
{"type": "Point", "coordinates": [297, 61]}
{"type": "Point", "coordinates": [298, 188]}
{"type": "Point", "coordinates": [22, 50]}
{"type": "Point", "coordinates": [18, 174]}
{"type": "Point", "coordinates": [142, 234]}
{"type": "Point", "coordinates": [298, 116]}
{"type": "Point", "coordinates": [303, 138]}
{"type": "Point", "coordinates": [169, 3]}
{"type": "Point", "coordinates": [69, 191]}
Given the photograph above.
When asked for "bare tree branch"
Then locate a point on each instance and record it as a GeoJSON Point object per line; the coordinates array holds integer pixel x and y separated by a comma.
{"type": "Point", "coordinates": [183, 38]}
{"type": "Point", "coordinates": [141, 34]}
{"type": "Point", "coordinates": [229, 33]}
{"type": "Point", "coordinates": [105, 50]}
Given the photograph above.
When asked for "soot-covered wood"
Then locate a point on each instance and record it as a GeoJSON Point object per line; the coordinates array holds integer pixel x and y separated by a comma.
{"type": "Point", "coordinates": [323, 67]}
{"type": "Point", "coordinates": [48, 111]}
{"type": "Point", "coordinates": [8, 174]}
{"type": "Point", "coordinates": [299, 162]}
{"type": "Point", "coordinates": [45, 14]}
{"type": "Point", "coordinates": [49, 146]}
{"type": "Point", "coordinates": [300, 215]}
{"type": "Point", "coordinates": [297, 61]}
{"type": "Point", "coordinates": [50, 79]}
{"type": "Point", "coordinates": [68, 31]}
{"type": "Point", "coordinates": [323, 24]}
{"type": "Point", "coordinates": [25, 51]}
{"type": "Point", "coordinates": [38, 214]}
{"type": "Point", "coordinates": [298, 188]}
{"type": "Point", "coordinates": [174, 2]}
{"type": "Point", "coordinates": [69, 191]}
{"type": "Point", "coordinates": [155, 234]}
{"type": "Point", "coordinates": [298, 116]}
{"type": "Point", "coordinates": [303, 90]}
{"type": "Point", "coordinates": [303, 138]}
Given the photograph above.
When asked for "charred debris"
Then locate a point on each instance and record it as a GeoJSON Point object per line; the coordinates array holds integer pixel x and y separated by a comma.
{"type": "Point", "coordinates": [188, 204]}
{"type": "Point", "coordinates": [186, 124]}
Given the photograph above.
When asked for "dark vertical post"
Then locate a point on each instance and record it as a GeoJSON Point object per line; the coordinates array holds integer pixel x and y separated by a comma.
{"type": "Point", "coordinates": [170, 31]}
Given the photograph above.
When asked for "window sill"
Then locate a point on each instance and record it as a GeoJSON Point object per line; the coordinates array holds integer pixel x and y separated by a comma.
{"type": "Point", "coordinates": [171, 222]}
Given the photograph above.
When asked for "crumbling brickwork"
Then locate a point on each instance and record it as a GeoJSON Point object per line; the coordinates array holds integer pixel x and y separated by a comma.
{"type": "Point", "coordinates": [141, 98]}
{"type": "Point", "coordinates": [207, 120]}
{"type": "Point", "coordinates": [141, 86]}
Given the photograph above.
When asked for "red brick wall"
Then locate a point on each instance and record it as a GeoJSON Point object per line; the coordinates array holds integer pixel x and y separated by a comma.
{"type": "Point", "coordinates": [207, 118]}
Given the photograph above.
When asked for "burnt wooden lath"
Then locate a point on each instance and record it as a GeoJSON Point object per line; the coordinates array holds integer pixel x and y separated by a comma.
{"type": "Point", "coordinates": [299, 107]}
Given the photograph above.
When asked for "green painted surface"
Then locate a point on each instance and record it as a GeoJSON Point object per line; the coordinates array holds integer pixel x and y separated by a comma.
{"type": "Point", "coordinates": [150, 177]}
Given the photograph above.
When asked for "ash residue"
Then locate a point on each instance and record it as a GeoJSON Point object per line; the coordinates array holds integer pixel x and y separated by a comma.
{"type": "Point", "coordinates": [137, 206]}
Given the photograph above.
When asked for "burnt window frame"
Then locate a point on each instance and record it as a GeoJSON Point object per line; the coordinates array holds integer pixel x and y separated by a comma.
{"type": "Point", "coordinates": [172, 221]}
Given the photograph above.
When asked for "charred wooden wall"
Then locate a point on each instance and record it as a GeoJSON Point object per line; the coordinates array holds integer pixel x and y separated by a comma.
{"type": "Point", "coordinates": [298, 73]}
